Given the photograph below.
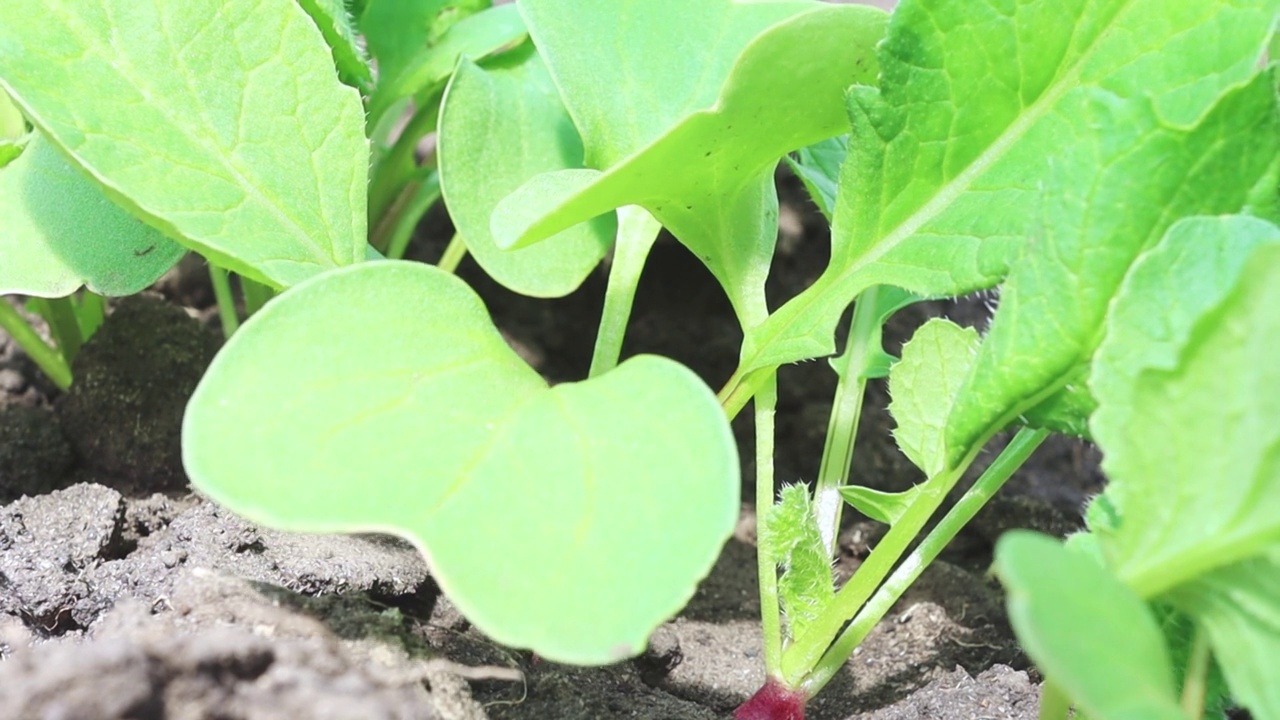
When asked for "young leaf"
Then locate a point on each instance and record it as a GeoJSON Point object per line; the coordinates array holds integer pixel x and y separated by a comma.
{"type": "Point", "coordinates": [58, 232]}
{"type": "Point", "coordinates": [942, 189]}
{"type": "Point", "coordinates": [693, 143]}
{"type": "Point", "coordinates": [1239, 607]}
{"type": "Point", "coordinates": [806, 585]}
{"type": "Point", "coordinates": [1200, 435]}
{"type": "Point", "coordinates": [478, 36]}
{"type": "Point", "coordinates": [571, 520]}
{"type": "Point", "coordinates": [1085, 630]}
{"type": "Point", "coordinates": [924, 384]}
{"type": "Point", "coordinates": [398, 32]}
{"type": "Point", "coordinates": [218, 121]}
{"type": "Point", "coordinates": [818, 167]}
{"type": "Point", "coordinates": [335, 23]}
{"type": "Point", "coordinates": [885, 507]}
{"type": "Point", "coordinates": [513, 99]}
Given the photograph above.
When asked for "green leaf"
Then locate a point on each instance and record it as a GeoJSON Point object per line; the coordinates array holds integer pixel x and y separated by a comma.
{"type": "Point", "coordinates": [1055, 300]}
{"type": "Point", "coordinates": [58, 232]}
{"type": "Point", "coordinates": [335, 23]}
{"type": "Point", "coordinates": [1239, 607]}
{"type": "Point", "coordinates": [806, 585]}
{"type": "Point", "coordinates": [477, 36]}
{"type": "Point", "coordinates": [693, 143]}
{"type": "Point", "coordinates": [818, 167]}
{"type": "Point", "coordinates": [398, 31]}
{"type": "Point", "coordinates": [513, 99]}
{"type": "Point", "coordinates": [11, 149]}
{"type": "Point", "coordinates": [571, 520]}
{"type": "Point", "coordinates": [944, 183]}
{"type": "Point", "coordinates": [218, 121]}
{"type": "Point", "coordinates": [1086, 631]}
{"type": "Point", "coordinates": [924, 386]}
{"type": "Point", "coordinates": [1197, 426]}
{"type": "Point", "coordinates": [885, 507]}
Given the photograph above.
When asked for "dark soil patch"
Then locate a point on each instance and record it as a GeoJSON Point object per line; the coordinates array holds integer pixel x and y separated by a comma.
{"type": "Point", "coordinates": [122, 595]}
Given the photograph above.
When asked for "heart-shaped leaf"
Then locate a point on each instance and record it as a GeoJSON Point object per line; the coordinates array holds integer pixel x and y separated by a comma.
{"type": "Point", "coordinates": [513, 99]}
{"type": "Point", "coordinates": [572, 520]}
{"type": "Point", "coordinates": [58, 232]}
{"type": "Point", "coordinates": [220, 122]}
{"type": "Point", "coordinates": [693, 143]}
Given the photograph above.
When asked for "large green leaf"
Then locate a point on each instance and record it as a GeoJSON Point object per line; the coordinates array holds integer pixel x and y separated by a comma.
{"type": "Point", "coordinates": [695, 143]}
{"type": "Point", "coordinates": [1054, 302]}
{"type": "Point", "coordinates": [950, 156]}
{"type": "Point", "coordinates": [220, 122]}
{"type": "Point", "coordinates": [513, 99]}
{"type": "Point", "coordinates": [572, 520]}
{"type": "Point", "coordinates": [1191, 429]}
{"type": "Point", "coordinates": [58, 232]}
{"type": "Point", "coordinates": [1086, 631]}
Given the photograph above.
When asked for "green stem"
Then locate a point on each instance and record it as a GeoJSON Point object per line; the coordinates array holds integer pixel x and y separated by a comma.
{"type": "Point", "coordinates": [226, 301]}
{"type": "Point", "coordinates": [396, 168]}
{"type": "Point", "coordinates": [637, 231]}
{"type": "Point", "coordinates": [1010, 459]}
{"type": "Point", "coordinates": [90, 313]}
{"type": "Point", "coordinates": [60, 314]}
{"type": "Point", "coordinates": [740, 388]}
{"type": "Point", "coordinates": [1054, 703]}
{"type": "Point", "coordinates": [45, 356]}
{"type": "Point", "coordinates": [1195, 686]}
{"type": "Point", "coordinates": [453, 254]}
{"type": "Point", "coordinates": [255, 295]}
{"type": "Point", "coordinates": [405, 216]}
{"type": "Point", "coordinates": [846, 413]}
{"type": "Point", "coordinates": [766, 401]}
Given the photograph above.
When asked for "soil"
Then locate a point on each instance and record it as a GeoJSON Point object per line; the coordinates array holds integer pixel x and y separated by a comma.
{"type": "Point", "coordinates": [124, 595]}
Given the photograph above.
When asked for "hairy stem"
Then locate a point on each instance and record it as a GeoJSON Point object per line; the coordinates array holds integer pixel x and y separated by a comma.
{"type": "Point", "coordinates": [766, 401]}
{"type": "Point", "coordinates": [846, 413]}
{"type": "Point", "coordinates": [1010, 459]}
{"type": "Point", "coordinates": [226, 301]}
{"type": "Point", "coordinates": [46, 357]}
{"type": "Point", "coordinates": [637, 231]}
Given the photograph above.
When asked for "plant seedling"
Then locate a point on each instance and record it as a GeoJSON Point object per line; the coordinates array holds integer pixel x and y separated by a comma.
{"type": "Point", "coordinates": [1127, 163]}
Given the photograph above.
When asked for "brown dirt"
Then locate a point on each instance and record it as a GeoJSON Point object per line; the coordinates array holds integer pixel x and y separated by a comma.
{"type": "Point", "coordinates": [124, 596]}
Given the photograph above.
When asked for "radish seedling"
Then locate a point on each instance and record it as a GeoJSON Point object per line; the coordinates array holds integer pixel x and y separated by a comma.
{"type": "Point", "coordinates": [1039, 148]}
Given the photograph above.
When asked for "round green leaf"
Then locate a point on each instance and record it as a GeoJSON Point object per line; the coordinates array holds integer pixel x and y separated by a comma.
{"type": "Point", "coordinates": [58, 232]}
{"type": "Point", "coordinates": [514, 99]}
{"type": "Point", "coordinates": [571, 520]}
